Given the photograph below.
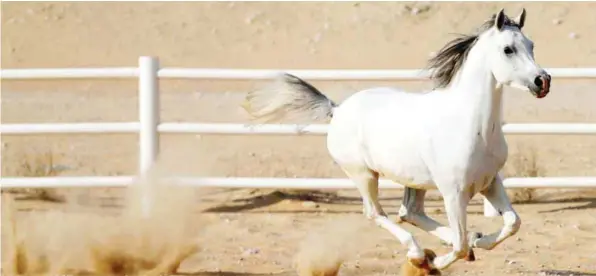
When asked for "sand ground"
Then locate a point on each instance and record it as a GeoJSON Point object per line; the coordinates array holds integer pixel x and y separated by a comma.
{"type": "Point", "coordinates": [555, 236]}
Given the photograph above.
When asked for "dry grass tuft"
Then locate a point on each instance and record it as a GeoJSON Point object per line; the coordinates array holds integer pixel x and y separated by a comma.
{"type": "Point", "coordinates": [152, 236]}
{"type": "Point", "coordinates": [39, 165]}
{"type": "Point", "coordinates": [326, 248]}
{"type": "Point", "coordinates": [524, 163]}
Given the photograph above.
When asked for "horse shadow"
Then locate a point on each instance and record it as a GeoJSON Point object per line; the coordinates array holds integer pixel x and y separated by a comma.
{"type": "Point", "coordinates": [259, 201]}
{"type": "Point", "coordinates": [590, 203]}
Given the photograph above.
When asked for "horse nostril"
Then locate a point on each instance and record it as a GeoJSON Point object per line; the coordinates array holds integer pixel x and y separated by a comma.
{"type": "Point", "coordinates": [538, 81]}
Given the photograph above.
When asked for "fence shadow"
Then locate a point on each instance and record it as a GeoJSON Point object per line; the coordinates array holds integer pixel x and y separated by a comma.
{"type": "Point", "coordinates": [590, 203]}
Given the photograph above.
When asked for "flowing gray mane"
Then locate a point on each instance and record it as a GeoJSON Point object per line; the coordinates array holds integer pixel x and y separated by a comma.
{"type": "Point", "coordinates": [451, 57]}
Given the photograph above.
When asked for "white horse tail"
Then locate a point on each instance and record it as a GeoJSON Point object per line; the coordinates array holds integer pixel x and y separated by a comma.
{"type": "Point", "coordinates": [288, 98]}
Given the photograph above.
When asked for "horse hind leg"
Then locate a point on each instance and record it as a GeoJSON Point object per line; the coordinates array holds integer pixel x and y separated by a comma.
{"type": "Point", "coordinates": [412, 212]}
{"type": "Point", "coordinates": [367, 183]}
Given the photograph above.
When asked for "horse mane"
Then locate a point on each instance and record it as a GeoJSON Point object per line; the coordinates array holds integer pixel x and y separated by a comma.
{"type": "Point", "coordinates": [449, 60]}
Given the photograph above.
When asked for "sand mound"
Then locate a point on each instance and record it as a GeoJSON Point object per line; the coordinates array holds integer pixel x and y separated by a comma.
{"type": "Point", "coordinates": [151, 236]}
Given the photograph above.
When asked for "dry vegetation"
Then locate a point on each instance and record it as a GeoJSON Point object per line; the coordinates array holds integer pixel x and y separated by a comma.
{"type": "Point", "coordinates": [523, 163]}
{"type": "Point", "coordinates": [38, 165]}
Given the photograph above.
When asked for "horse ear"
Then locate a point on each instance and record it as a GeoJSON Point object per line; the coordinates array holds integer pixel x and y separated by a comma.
{"type": "Point", "coordinates": [521, 18]}
{"type": "Point", "coordinates": [500, 19]}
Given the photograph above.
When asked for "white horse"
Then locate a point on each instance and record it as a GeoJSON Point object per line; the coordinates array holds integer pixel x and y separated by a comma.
{"type": "Point", "coordinates": [448, 139]}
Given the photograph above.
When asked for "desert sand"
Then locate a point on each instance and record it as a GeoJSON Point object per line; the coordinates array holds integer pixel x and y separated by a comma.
{"type": "Point", "coordinates": [257, 232]}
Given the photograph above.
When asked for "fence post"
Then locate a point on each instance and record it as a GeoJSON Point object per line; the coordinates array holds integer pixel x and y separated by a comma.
{"type": "Point", "coordinates": [149, 120]}
{"type": "Point", "coordinates": [148, 112]}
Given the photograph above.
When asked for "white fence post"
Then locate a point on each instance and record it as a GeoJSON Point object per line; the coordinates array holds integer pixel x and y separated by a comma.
{"type": "Point", "coordinates": [148, 112]}
{"type": "Point", "coordinates": [149, 121]}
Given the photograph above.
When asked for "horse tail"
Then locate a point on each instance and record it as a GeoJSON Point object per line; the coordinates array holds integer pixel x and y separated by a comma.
{"type": "Point", "coordinates": [289, 97]}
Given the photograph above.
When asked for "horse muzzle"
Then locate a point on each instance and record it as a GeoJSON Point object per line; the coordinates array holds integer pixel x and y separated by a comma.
{"type": "Point", "coordinates": [541, 86]}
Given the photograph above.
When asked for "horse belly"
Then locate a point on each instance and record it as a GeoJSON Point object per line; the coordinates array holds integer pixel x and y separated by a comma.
{"type": "Point", "coordinates": [411, 180]}
{"type": "Point", "coordinates": [397, 158]}
{"type": "Point", "coordinates": [410, 173]}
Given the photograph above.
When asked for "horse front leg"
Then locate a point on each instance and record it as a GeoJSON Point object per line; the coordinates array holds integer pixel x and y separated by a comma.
{"type": "Point", "coordinates": [456, 202]}
{"type": "Point", "coordinates": [498, 198]}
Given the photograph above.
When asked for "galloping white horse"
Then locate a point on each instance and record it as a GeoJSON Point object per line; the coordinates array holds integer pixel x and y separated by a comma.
{"type": "Point", "coordinates": [449, 138]}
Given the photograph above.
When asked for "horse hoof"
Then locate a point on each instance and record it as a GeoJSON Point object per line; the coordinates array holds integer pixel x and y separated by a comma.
{"type": "Point", "coordinates": [470, 257]}
{"type": "Point", "coordinates": [421, 267]}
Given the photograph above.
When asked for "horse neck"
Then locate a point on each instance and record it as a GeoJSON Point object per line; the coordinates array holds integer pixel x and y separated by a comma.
{"type": "Point", "coordinates": [476, 93]}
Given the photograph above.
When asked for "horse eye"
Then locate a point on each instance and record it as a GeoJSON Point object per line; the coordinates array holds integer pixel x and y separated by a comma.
{"type": "Point", "coordinates": [508, 50]}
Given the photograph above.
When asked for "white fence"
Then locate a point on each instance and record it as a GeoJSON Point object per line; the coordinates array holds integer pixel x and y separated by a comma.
{"type": "Point", "coordinates": [149, 125]}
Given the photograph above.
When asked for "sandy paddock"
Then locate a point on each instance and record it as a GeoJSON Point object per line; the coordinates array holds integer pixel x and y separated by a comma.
{"type": "Point", "coordinates": [257, 232]}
